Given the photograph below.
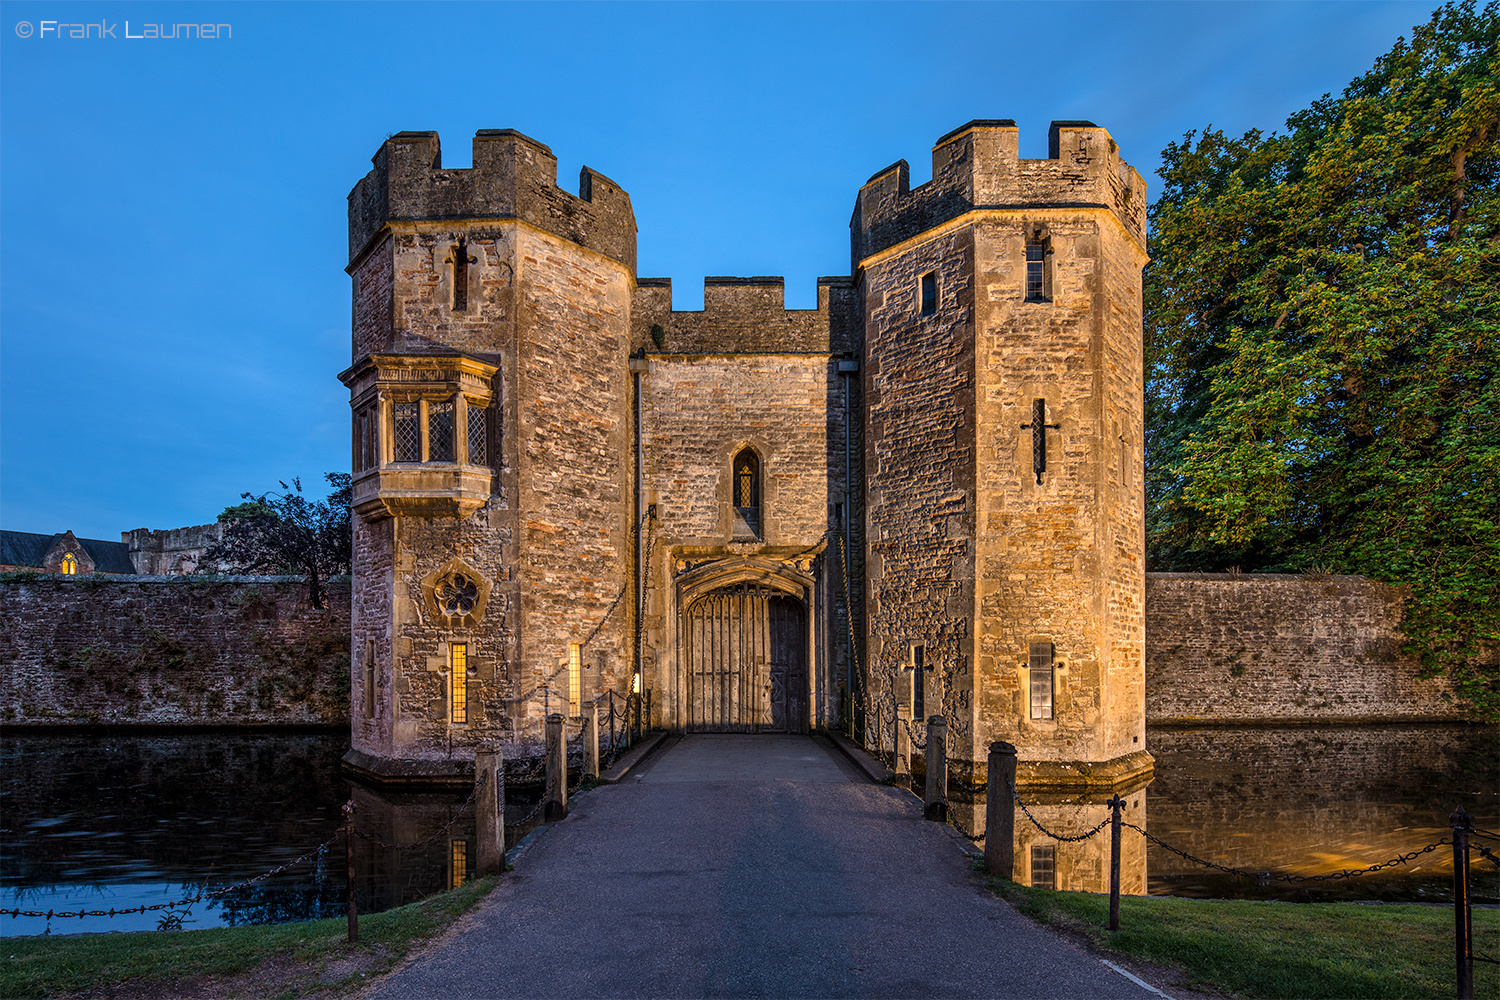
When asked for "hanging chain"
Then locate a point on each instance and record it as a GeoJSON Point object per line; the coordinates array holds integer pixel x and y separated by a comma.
{"type": "Point", "coordinates": [206, 894]}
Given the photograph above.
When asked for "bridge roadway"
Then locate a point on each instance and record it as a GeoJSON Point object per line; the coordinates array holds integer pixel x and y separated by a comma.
{"type": "Point", "coordinates": [748, 866]}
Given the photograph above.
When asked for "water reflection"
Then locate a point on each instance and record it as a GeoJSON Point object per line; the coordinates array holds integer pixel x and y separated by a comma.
{"type": "Point", "coordinates": [117, 822]}
{"type": "Point", "coordinates": [1314, 800]}
{"type": "Point", "coordinates": [111, 821]}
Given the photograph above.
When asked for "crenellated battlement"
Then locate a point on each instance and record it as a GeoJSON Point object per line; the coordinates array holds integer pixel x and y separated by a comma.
{"type": "Point", "coordinates": [513, 177]}
{"type": "Point", "coordinates": [978, 166]}
{"type": "Point", "coordinates": [743, 315]}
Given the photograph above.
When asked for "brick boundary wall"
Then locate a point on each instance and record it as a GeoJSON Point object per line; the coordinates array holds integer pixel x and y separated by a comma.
{"type": "Point", "coordinates": [1269, 648]}
{"type": "Point", "coordinates": [171, 651]}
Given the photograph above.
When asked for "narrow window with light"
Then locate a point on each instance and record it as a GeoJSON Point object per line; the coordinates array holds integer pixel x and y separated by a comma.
{"type": "Point", "coordinates": [69, 564]}
{"type": "Point", "coordinates": [575, 679]}
{"type": "Point", "coordinates": [458, 663]}
{"type": "Point", "coordinates": [458, 863]}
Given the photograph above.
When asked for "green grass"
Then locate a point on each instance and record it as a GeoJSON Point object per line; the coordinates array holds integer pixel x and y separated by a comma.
{"type": "Point", "coordinates": [1267, 949]}
{"type": "Point", "coordinates": [55, 966]}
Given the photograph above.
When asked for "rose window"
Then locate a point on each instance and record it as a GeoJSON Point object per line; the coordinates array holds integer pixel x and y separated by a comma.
{"type": "Point", "coordinates": [457, 595]}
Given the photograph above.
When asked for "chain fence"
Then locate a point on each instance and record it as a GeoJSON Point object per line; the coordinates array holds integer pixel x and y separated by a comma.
{"type": "Point", "coordinates": [179, 903]}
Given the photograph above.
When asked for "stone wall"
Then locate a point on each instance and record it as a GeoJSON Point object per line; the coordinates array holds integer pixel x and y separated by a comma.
{"type": "Point", "coordinates": [171, 651]}
{"type": "Point", "coordinates": [1271, 648]}
{"type": "Point", "coordinates": [174, 551]}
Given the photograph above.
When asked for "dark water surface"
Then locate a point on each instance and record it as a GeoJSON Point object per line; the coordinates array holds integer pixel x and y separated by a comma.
{"type": "Point", "coordinates": [118, 821]}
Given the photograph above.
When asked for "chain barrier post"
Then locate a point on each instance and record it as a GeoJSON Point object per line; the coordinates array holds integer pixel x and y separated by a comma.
{"type": "Point", "coordinates": [1115, 804]}
{"type": "Point", "coordinates": [591, 743]}
{"type": "Point", "coordinates": [935, 806]}
{"type": "Point", "coordinates": [352, 912]}
{"type": "Point", "coordinates": [611, 720]}
{"type": "Point", "coordinates": [1000, 812]}
{"type": "Point", "coordinates": [1463, 928]}
{"type": "Point", "coordinates": [557, 770]}
{"type": "Point", "coordinates": [903, 744]}
{"type": "Point", "coordinates": [489, 810]}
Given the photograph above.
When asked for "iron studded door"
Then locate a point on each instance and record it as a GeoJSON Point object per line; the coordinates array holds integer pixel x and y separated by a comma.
{"type": "Point", "coordinates": [746, 671]}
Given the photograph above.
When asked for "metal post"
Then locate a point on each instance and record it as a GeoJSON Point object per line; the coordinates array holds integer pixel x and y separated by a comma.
{"type": "Point", "coordinates": [1463, 927]}
{"type": "Point", "coordinates": [591, 743]}
{"type": "Point", "coordinates": [903, 744]}
{"type": "Point", "coordinates": [935, 806]}
{"type": "Point", "coordinates": [1114, 862]}
{"type": "Point", "coordinates": [611, 720]}
{"type": "Point", "coordinates": [351, 911]}
{"type": "Point", "coordinates": [1000, 812]}
{"type": "Point", "coordinates": [489, 810]}
{"type": "Point", "coordinates": [557, 770]}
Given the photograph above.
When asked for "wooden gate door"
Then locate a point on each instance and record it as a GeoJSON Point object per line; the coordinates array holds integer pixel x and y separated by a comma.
{"type": "Point", "coordinates": [746, 661]}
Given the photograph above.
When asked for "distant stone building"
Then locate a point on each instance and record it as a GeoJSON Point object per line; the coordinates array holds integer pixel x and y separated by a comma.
{"type": "Point", "coordinates": [140, 551]}
{"type": "Point", "coordinates": [923, 496]}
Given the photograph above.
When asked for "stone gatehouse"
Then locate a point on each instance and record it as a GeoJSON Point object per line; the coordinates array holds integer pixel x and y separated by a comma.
{"type": "Point", "coordinates": [922, 496]}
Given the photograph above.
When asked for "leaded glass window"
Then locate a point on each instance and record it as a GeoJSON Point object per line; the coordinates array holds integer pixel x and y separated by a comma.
{"type": "Point", "coordinates": [408, 434]}
{"type": "Point", "coordinates": [458, 867]}
{"type": "Point", "coordinates": [1036, 271]}
{"type": "Point", "coordinates": [440, 430]}
{"type": "Point", "coordinates": [575, 678]}
{"type": "Point", "coordinates": [1044, 866]}
{"type": "Point", "coordinates": [459, 683]}
{"type": "Point", "coordinates": [477, 437]}
{"type": "Point", "coordinates": [1041, 680]}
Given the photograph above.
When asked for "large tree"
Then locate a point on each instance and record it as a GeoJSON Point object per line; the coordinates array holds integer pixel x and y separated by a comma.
{"type": "Point", "coordinates": [289, 533]}
{"type": "Point", "coordinates": [1323, 334]}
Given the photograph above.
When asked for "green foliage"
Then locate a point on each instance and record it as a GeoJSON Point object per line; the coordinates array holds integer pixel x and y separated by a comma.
{"type": "Point", "coordinates": [1322, 336]}
{"type": "Point", "coordinates": [1253, 948]}
{"type": "Point", "coordinates": [287, 531]}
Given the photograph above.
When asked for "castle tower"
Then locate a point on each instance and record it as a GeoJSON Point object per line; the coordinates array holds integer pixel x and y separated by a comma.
{"type": "Point", "coordinates": [1001, 308]}
{"type": "Point", "coordinates": [490, 395]}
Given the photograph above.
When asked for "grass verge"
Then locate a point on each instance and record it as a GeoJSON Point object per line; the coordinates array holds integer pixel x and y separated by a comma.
{"type": "Point", "coordinates": [1266, 949]}
{"type": "Point", "coordinates": [305, 954]}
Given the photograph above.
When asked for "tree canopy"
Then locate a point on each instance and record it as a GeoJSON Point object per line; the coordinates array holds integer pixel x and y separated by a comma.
{"type": "Point", "coordinates": [287, 532]}
{"type": "Point", "coordinates": [1322, 338]}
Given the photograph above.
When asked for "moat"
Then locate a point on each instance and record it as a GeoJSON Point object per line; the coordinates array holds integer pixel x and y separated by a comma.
{"type": "Point", "coordinates": [119, 821]}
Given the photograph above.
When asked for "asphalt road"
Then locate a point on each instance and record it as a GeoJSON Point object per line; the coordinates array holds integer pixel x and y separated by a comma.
{"type": "Point", "coordinates": [748, 866]}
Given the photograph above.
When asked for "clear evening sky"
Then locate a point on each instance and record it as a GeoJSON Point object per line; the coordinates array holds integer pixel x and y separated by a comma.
{"type": "Point", "coordinates": [173, 305]}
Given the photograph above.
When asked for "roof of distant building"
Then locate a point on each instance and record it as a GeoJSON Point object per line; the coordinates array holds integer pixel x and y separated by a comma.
{"type": "Point", "coordinates": [26, 548]}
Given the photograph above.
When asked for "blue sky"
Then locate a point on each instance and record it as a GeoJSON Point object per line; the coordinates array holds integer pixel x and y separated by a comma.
{"type": "Point", "coordinates": [173, 306]}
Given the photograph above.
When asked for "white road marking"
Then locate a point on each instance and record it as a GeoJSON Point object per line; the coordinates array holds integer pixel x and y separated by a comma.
{"type": "Point", "coordinates": [1136, 979]}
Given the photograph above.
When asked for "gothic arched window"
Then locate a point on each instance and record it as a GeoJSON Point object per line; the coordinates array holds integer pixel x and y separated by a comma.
{"type": "Point", "coordinates": [69, 564]}
{"type": "Point", "coordinates": [747, 488]}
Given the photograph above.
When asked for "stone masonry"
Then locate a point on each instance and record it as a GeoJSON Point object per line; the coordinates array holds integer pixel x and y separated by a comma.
{"type": "Point", "coordinates": [762, 517]}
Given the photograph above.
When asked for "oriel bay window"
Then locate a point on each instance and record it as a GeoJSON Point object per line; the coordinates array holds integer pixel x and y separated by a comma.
{"type": "Point", "coordinates": [425, 434]}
